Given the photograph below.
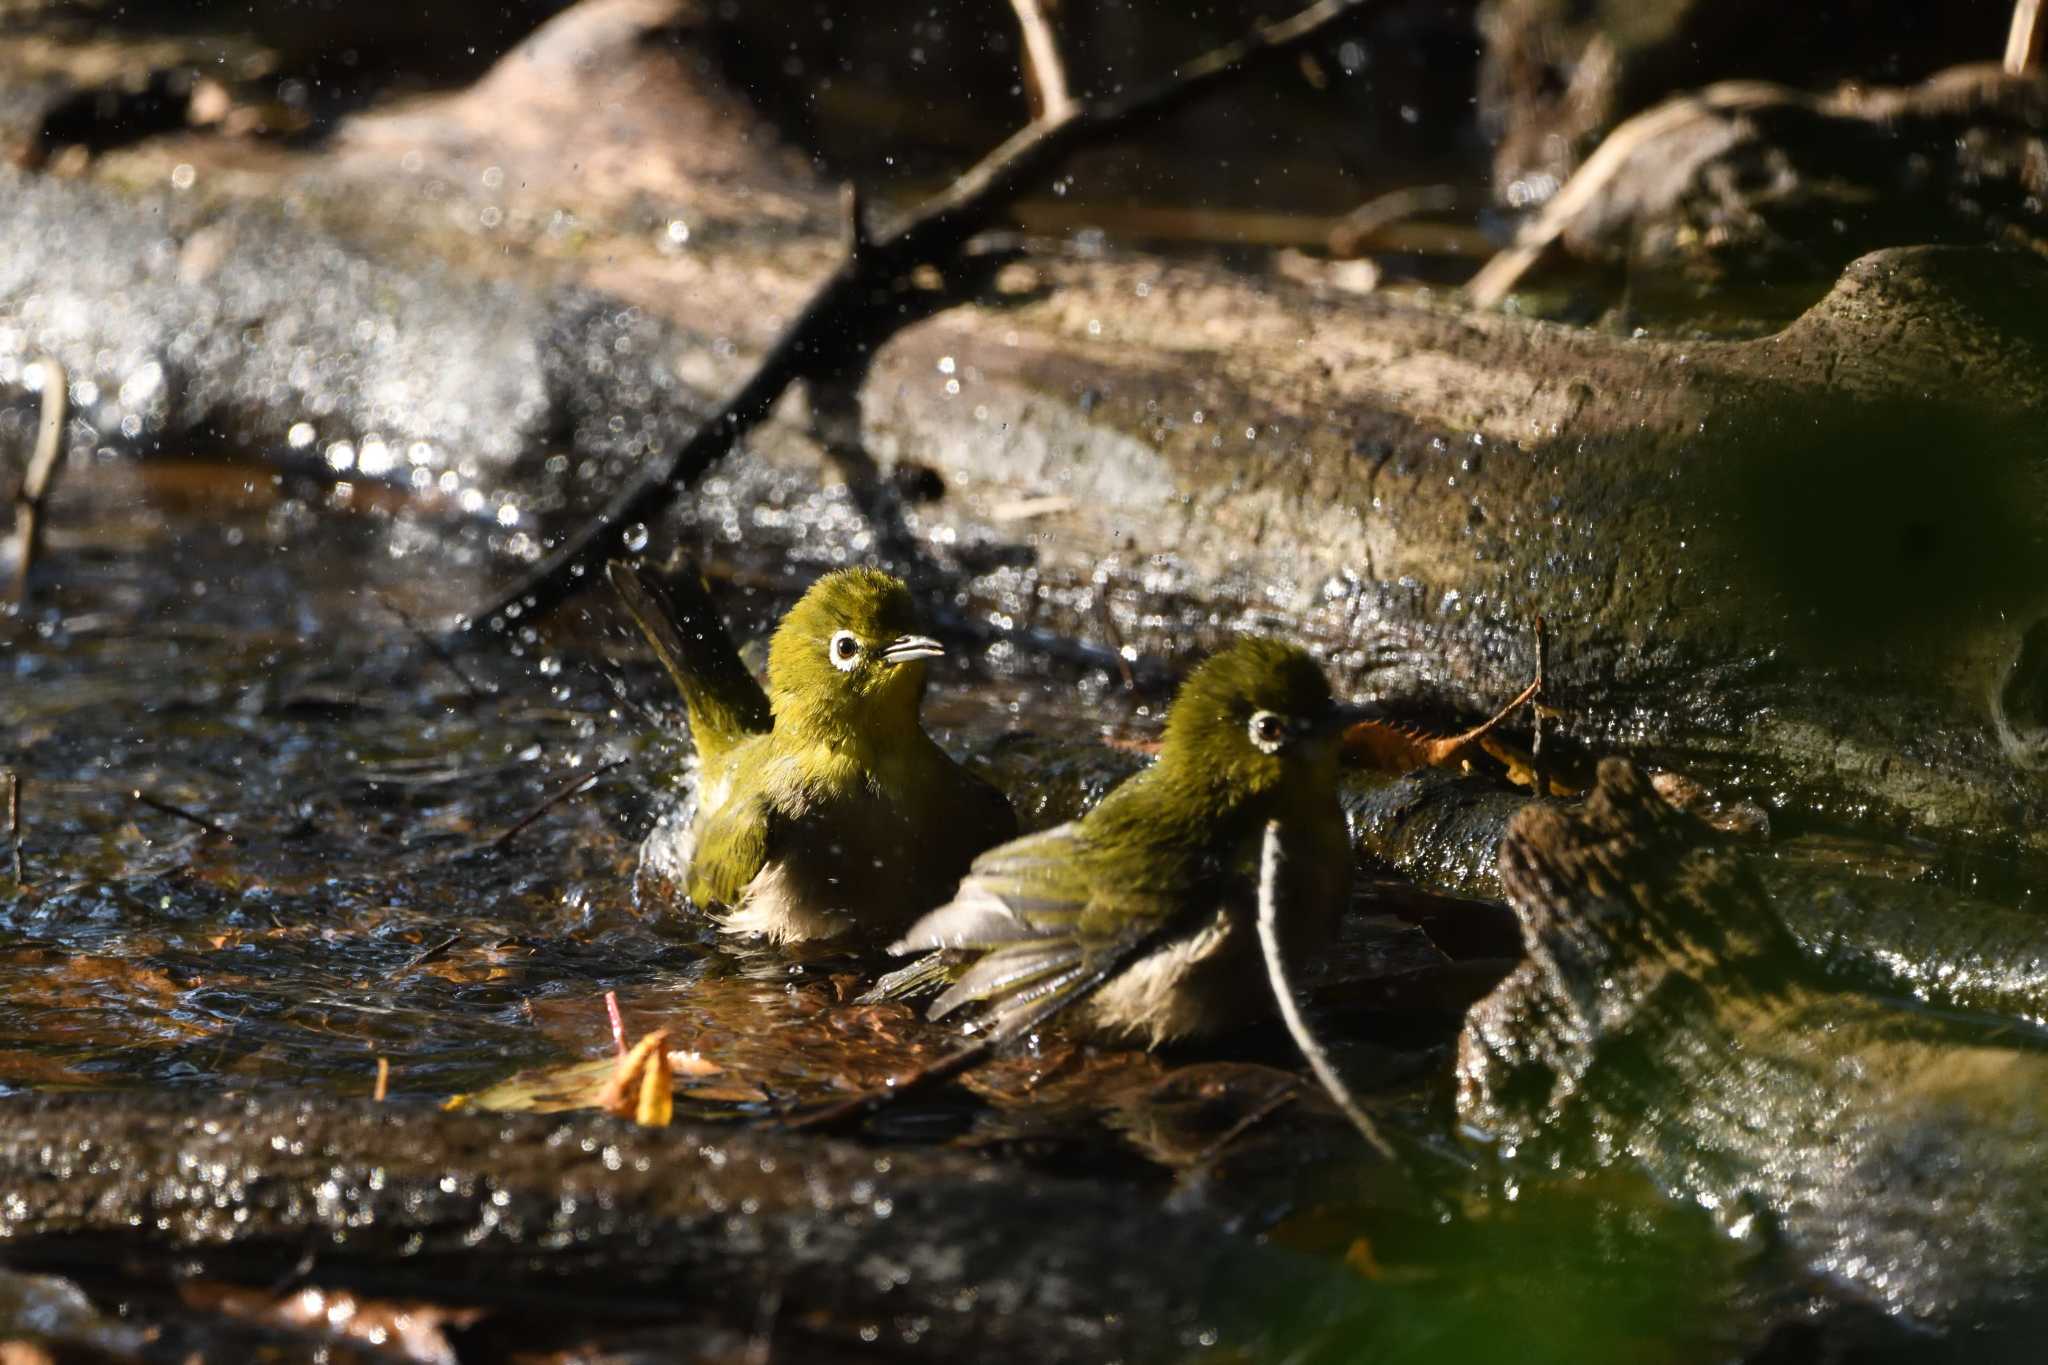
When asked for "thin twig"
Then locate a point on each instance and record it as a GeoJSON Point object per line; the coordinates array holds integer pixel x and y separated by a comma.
{"type": "Point", "coordinates": [611, 1007]}
{"type": "Point", "coordinates": [2024, 40]}
{"type": "Point", "coordinates": [14, 824]}
{"type": "Point", "coordinates": [573, 790]}
{"type": "Point", "coordinates": [841, 318]}
{"type": "Point", "coordinates": [1537, 777]}
{"type": "Point", "coordinates": [839, 1113]}
{"type": "Point", "coordinates": [853, 202]}
{"type": "Point", "coordinates": [383, 1080]}
{"type": "Point", "coordinates": [1499, 276]}
{"type": "Point", "coordinates": [1045, 71]}
{"type": "Point", "coordinates": [1290, 1008]}
{"type": "Point", "coordinates": [1260, 1112]}
{"type": "Point", "coordinates": [41, 475]}
{"type": "Point", "coordinates": [157, 803]}
{"type": "Point", "coordinates": [428, 954]}
{"type": "Point", "coordinates": [1116, 640]}
{"type": "Point", "coordinates": [476, 690]}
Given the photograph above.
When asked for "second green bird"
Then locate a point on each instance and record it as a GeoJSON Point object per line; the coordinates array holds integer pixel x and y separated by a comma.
{"type": "Point", "coordinates": [823, 809]}
{"type": "Point", "coordinates": [1142, 915]}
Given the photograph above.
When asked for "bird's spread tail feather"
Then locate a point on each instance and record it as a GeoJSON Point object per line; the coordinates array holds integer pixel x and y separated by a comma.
{"type": "Point", "coordinates": [681, 622]}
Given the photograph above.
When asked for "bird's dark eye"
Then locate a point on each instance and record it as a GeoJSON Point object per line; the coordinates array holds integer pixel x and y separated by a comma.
{"type": "Point", "coordinates": [844, 649]}
{"type": "Point", "coordinates": [1268, 731]}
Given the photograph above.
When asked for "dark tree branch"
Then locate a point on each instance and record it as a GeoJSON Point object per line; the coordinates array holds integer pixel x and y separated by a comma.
{"type": "Point", "coordinates": [840, 323]}
{"type": "Point", "coordinates": [41, 474]}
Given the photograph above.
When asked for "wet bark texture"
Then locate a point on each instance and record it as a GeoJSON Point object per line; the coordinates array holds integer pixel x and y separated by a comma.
{"type": "Point", "coordinates": [1665, 1019]}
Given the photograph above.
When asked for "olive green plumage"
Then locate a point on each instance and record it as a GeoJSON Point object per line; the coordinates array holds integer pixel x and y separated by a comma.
{"type": "Point", "coordinates": [824, 809]}
{"type": "Point", "coordinates": [1142, 914]}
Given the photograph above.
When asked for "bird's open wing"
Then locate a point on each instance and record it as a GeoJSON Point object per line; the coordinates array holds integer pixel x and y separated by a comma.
{"type": "Point", "coordinates": [732, 848]}
{"type": "Point", "coordinates": [1045, 936]}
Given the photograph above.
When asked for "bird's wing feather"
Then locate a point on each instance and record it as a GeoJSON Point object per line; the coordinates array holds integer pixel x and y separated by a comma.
{"type": "Point", "coordinates": [932, 972]}
{"type": "Point", "coordinates": [1029, 888]}
{"type": "Point", "coordinates": [732, 848]}
{"type": "Point", "coordinates": [1032, 909]}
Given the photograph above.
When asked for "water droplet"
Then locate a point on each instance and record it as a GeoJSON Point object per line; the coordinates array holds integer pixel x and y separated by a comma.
{"type": "Point", "coordinates": [635, 538]}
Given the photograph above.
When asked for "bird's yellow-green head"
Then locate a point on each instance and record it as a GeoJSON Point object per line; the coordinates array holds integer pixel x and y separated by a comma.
{"type": "Point", "coordinates": [1253, 719]}
{"type": "Point", "coordinates": [848, 658]}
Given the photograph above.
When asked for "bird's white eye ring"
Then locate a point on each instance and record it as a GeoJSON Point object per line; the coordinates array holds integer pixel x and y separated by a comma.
{"type": "Point", "coordinates": [1268, 732]}
{"type": "Point", "coordinates": [844, 651]}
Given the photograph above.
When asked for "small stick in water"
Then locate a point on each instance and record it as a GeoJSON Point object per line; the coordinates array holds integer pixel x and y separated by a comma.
{"type": "Point", "coordinates": [157, 803]}
{"type": "Point", "coordinates": [41, 474]}
{"type": "Point", "coordinates": [1539, 781]}
{"type": "Point", "coordinates": [476, 690]}
{"type": "Point", "coordinates": [611, 1005]}
{"type": "Point", "coordinates": [1290, 1009]}
{"type": "Point", "coordinates": [574, 789]}
{"type": "Point", "coordinates": [14, 823]}
{"type": "Point", "coordinates": [383, 1080]}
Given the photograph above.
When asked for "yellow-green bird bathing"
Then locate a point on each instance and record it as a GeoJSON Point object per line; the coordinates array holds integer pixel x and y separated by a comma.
{"type": "Point", "coordinates": [823, 808]}
{"type": "Point", "coordinates": [1143, 914]}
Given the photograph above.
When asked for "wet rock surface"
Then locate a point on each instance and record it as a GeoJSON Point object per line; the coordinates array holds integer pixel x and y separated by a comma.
{"type": "Point", "coordinates": [935, 1254]}
{"type": "Point", "coordinates": [1559, 76]}
{"type": "Point", "coordinates": [1666, 1020]}
{"type": "Point", "coordinates": [1737, 199]}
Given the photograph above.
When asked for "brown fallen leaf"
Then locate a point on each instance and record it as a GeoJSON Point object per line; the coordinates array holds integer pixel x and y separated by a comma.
{"type": "Point", "coordinates": [581, 1085]}
{"type": "Point", "coordinates": [1389, 747]}
{"type": "Point", "coordinates": [1360, 1258]}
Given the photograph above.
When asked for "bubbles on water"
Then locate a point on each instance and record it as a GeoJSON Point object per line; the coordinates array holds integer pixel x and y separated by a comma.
{"type": "Point", "coordinates": [635, 537]}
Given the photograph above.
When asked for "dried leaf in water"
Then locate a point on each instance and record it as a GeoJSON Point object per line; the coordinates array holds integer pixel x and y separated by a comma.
{"type": "Point", "coordinates": [600, 1084]}
{"type": "Point", "coordinates": [657, 1101]}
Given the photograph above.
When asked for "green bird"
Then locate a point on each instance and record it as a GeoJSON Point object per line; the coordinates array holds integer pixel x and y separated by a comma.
{"type": "Point", "coordinates": [823, 808]}
{"type": "Point", "coordinates": [1142, 915]}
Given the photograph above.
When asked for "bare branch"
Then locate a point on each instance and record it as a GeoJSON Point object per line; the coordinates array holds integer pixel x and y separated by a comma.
{"type": "Point", "coordinates": [2024, 40]}
{"type": "Point", "coordinates": [1045, 72]}
{"type": "Point", "coordinates": [14, 824]}
{"type": "Point", "coordinates": [1499, 276]}
{"type": "Point", "coordinates": [1290, 1009]}
{"type": "Point", "coordinates": [1539, 780]}
{"type": "Point", "coordinates": [41, 475]}
{"type": "Point", "coordinates": [568, 793]}
{"type": "Point", "coordinates": [840, 321]}
{"type": "Point", "coordinates": [176, 811]}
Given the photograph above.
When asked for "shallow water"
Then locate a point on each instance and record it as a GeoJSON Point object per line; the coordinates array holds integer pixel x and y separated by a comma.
{"type": "Point", "coordinates": [322, 871]}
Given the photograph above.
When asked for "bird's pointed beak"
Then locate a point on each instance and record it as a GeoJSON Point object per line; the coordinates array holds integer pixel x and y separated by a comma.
{"type": "Point", "coordinates": [904, 648]}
